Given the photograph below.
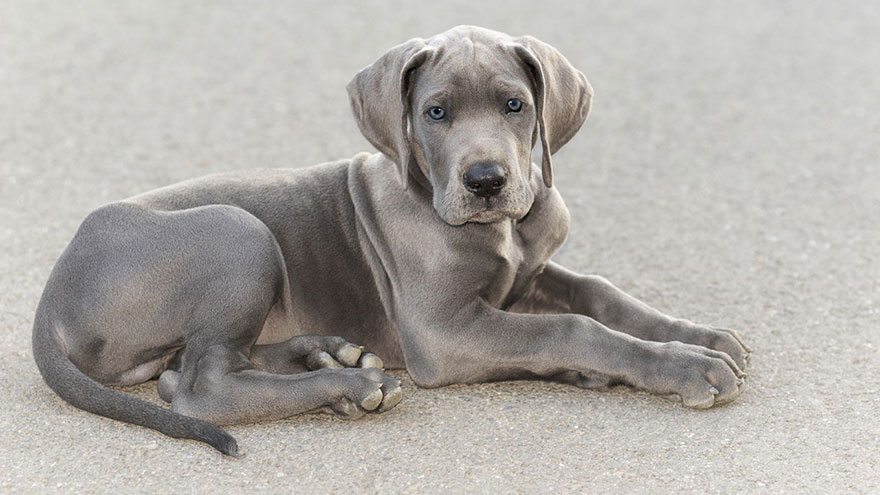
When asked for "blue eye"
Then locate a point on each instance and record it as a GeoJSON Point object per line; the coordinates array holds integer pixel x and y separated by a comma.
{"type": "Point", "coordinates": [436, 113]}
{"type": "Point", "coordinates": [514, 105]}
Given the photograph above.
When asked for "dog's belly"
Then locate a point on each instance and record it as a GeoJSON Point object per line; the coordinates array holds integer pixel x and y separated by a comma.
{"type": "Point", "coordinates": [364, 325]}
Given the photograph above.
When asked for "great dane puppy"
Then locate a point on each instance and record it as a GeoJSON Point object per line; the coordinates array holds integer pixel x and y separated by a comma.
{"type": "Point", "coordinates": [241, 291]}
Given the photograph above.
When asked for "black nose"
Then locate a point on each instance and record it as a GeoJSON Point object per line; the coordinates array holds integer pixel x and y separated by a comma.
{"type": "Point", "coordinates": [484, 180]}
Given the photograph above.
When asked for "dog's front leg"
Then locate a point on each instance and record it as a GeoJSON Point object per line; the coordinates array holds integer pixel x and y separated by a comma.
{"type": "Point", "coordinates": [479, 343]}
{"type": "Point", "coordinates": [559, 290]}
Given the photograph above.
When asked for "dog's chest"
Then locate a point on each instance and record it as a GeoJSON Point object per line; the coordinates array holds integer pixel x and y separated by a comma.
{"type": "Point", "coordinates": [524, 249]}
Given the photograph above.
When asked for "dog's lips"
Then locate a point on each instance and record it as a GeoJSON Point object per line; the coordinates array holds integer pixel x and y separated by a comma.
{"type": "Point", "coordinates": [488, 216]}
{"type": "Point", "coordinates": [495, 210]}
{"type": "Point", "coordinates": [482, 215]}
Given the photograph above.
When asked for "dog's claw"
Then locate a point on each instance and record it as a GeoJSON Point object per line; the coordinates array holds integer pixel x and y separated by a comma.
{"type": "Point", "coordinates": [714, 391]}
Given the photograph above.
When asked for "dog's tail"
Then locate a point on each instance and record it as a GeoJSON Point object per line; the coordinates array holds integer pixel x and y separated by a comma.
{"type": "Point", "coordinates": [72, 385]}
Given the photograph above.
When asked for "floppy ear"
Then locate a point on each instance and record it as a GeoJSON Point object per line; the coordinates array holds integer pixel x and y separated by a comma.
{"type": "Point", "coordinates": [379, 96]}
{"type": "Point", "coordinates": [562, 97]}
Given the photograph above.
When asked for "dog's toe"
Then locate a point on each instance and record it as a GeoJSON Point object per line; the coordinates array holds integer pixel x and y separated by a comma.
{"type": "Point", "coordinates": [372, 401]}
{"type": "Point", "coordinates": [349, 354]}
{"type": "Point", "coordinates": [370, 360]}
{"type": "Point", "coordinates": [392, 396]}
{"type": "Point", "coordinates": [319, 359]}
{"type": "Point", "coordinates": [347, 409]}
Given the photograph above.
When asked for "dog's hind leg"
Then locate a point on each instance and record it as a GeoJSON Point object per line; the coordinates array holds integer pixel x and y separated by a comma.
{"type": "Point", "coordinates": [296, 355]}
{"type": "Point", "coordinates": [233, 288]}
{"type": "Point", "coordinates": [223, 387]}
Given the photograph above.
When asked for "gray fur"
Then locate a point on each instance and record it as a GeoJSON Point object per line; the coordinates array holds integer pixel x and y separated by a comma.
{"type": "Point", "coordinates": [229, 287]}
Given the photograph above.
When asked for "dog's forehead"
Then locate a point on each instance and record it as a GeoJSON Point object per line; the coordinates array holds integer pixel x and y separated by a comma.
{"type": "Point", "coordinates": [472, 59]}
{"type": "Point", "coordinates": [470, 46]}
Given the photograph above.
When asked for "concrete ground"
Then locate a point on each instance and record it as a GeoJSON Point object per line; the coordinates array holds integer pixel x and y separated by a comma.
{"type": "Point", "coordinates": [730, 173]}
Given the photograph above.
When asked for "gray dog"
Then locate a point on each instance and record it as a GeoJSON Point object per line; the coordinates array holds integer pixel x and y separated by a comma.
{"type": "Point", "coordinates": [229, 287]}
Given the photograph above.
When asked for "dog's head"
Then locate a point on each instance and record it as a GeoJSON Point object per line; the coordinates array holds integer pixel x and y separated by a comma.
{"type": "Point", "coordinates": [460, 113]}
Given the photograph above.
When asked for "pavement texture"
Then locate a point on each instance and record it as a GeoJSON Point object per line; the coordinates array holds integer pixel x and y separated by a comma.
{"type": "Point", "coordinates": [729, 173]}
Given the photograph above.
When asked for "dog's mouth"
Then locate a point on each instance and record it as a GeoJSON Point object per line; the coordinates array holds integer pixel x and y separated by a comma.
{"type": "Point", "coordinates": [493, 210]}
{"type": "Point", "coordinates": [488, 216]}
{"type": "Point", "coordinates": [484, 211]}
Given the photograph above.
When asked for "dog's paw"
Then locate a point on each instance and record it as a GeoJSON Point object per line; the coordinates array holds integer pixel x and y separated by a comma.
{"type": "Point", "coordinates": [700, 376]}
{"type": "Point", "coordinates": [719, 339]}
{"type": "Point", "coordinates": [730, 343]}
{"type": "Point", "coordinates": [323, 352]}
{"type": "Point", "coordinates": [366, 390]}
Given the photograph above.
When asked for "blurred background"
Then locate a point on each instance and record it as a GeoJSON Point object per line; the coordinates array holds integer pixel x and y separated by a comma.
{"type": "Point", "coordinates": [729, 173]}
